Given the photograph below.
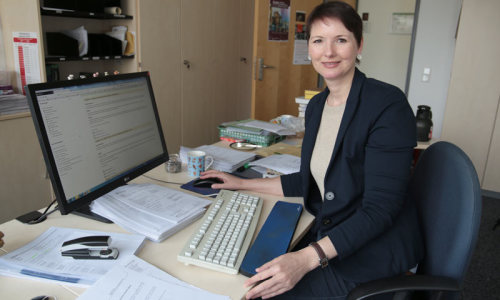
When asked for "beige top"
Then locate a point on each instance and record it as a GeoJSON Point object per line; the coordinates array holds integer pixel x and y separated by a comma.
{"type": "Point", "coordinates": [325, 141]}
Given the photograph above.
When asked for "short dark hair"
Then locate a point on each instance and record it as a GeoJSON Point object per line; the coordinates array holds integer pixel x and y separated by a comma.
{"type": "Point", "coordinates": [337, 10]}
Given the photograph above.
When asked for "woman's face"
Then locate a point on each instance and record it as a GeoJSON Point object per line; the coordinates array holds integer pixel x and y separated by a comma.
{"type": "Point", "coordinates": [333, 49]}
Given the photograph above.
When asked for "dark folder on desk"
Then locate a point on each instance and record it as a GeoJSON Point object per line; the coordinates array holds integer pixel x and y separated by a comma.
{"type": "Point", "coordinates": [274, 237]}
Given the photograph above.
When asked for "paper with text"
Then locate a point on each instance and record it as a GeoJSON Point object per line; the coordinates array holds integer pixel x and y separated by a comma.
{"type": "Point", "coordinates": [283, 163]}
{"type": "Point", "coordinates": [137, 279]}
{"type": "Point", "coordinates": [41, 258]}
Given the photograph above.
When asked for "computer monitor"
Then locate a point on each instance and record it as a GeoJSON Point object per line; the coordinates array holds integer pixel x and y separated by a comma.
{"type": "Point", "coordinates": [96, 134]}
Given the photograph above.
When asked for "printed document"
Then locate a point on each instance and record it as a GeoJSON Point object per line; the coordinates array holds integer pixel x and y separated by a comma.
{"type": "Point", "coordinates": [283, 163]}
{"type": "Point", "coordinates": [225, 160]}
{"type": "Point", "coordinates": [278, 129]}
{"type": "Point", "coordinates": [42, 259]}
{"type": "Point", "coordinates": [154, 211]}
{"type": "Point", "coordinates": [137, 279]}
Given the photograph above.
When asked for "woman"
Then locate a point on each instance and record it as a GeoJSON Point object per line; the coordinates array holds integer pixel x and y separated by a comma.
{"type": "Point", "coordinates": [355, 166]}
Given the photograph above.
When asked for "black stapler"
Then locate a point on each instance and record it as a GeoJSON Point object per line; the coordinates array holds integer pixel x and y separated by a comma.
{"type": "Point", "coordinates": [89, 247]}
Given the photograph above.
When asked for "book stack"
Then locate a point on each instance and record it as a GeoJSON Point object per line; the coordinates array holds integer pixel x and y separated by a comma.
{"type": "Point", "coordinates": [303, 101]}
{"type": "Point", "coordinates": [254, 131]}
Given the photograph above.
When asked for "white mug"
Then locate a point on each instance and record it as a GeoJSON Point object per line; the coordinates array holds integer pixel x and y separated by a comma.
{"type": "Point", "coordinates": [196, 162]}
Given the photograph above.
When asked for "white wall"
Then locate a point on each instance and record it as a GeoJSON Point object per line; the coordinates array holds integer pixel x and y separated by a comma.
{"type": "Point", "coordinates": [434, 49]}
{"type": "Point", "coordinates": [2, 49]}
{"type": "Point", "coordinates": [385, 54]}
{"type": "Point", "coordinates": [472, 118]}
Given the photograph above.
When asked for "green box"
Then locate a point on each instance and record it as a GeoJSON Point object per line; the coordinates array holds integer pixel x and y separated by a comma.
{"type": "Point", "coordinates": [237, 130]}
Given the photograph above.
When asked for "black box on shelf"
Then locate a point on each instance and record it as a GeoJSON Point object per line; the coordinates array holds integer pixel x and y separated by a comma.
{"type": "Point", "coordinates": [59, 44]}
{"type": "Point", "coordinates": [82, 5]}
{"type": "Point", "coordinates": [111, 3]}
{"type": "Point", "coordinates": [90, 5]}
{"type": "Point", "coordinates": [62, 4]}
{"type": "Point", "coordinates": [103, 45]}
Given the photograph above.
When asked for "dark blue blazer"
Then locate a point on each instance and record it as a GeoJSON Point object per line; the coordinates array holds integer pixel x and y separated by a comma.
{"type": "Point", "coordinates": [365, 212]}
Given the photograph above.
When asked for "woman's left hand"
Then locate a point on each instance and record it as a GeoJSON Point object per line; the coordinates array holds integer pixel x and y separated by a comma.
{"type": "Point", "coordinates": [280, 274]}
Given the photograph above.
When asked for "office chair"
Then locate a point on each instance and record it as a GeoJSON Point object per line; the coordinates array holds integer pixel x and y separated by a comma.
{"type": "Point", "coordinates": [446, 190]}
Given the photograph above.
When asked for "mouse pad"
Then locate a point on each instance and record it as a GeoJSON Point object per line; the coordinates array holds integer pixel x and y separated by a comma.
{"type": "Point", "coordinates": [204, 191]}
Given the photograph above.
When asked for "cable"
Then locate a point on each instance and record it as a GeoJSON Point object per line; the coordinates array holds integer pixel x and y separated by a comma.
{"type": "Point", "coordinates": [160, 180]}
{"type": "Point", "coordinates": [44, 214]}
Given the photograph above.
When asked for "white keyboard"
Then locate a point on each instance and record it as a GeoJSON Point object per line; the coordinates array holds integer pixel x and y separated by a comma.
{"type": "Point", "coordinates": [225, 233]}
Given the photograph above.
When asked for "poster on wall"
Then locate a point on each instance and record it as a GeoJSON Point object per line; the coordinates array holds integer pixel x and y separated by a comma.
{"type": "Point", "coordinates": [300, 52]}
{"type": "Point", "coordinates": [26, 59]}
{"type": "Point", "coordinates": [279, 20]}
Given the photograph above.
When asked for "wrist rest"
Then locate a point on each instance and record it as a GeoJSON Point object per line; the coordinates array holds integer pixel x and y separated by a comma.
{"type": "Point", "coordinates": [274, 237]}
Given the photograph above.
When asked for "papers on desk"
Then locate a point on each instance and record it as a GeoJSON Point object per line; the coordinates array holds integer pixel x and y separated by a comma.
{"type": "Point", "coordinates": [13, 104]}
{"type": "Point", "coordinates": [151, 210]}
{"type": "Point", "coordinates": [41, 259]}
{"type": "Point", "coordinates": [282, 163]}
{"type": "Point", "coordinates": [257, 127]}
{"type": "Point", "coordinates": [225, 160]}
{"type": "Point", "coordinates": [137, 279]}
{"type": "Point", "coordinates": [267, 126]}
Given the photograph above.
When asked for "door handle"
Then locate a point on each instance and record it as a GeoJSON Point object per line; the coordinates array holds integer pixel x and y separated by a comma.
{"type": "Point", "coordinates": [260, 68]}
{"type": "Point", "coordinates": [187, 63]}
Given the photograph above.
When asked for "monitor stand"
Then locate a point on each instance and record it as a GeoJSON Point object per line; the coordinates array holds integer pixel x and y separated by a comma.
{"type": "Point", "coordinates": [85, 212]}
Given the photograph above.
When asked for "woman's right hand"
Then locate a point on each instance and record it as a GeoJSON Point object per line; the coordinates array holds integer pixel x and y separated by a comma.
{"type": "Point", "coordinates": [231, 182]}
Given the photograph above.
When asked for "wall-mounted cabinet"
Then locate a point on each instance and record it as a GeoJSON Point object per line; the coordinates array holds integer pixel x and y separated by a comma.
{"type": "Point", "coordinates": [199, 55]}
{"type": "Point", "coordinates": [26, 186]}
{"type": "Point", "coordinates": [99, 57]}
{"type": "Point", "coordinates": [214, 86]}
{"type": "Point", "coordinates": [36, 19]}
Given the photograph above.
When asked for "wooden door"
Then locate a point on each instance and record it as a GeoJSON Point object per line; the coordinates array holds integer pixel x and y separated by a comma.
{"type": "Point", "coordinates": [275, 94]}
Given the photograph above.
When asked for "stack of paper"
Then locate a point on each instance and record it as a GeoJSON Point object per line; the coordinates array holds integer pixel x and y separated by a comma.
{"type": "Point", "coordinates": [302, 101]}
{"type": "Point", "coordinates": [269, 127]}
{"type": "Point", "coordinates": [225, 160]}
{"type": "Point", "coordinates": [12, 104]}
{"type": "Point", "coordinates": [151, 210]}
{"type": "Point", "coordinates": [282, 163]}
{"type": "Point", "coordinates": [41, 259]}
{"type": "Point", "coordinates": [137, 279]}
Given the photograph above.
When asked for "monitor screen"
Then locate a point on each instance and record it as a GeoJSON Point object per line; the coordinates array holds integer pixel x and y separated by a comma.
{"type": "Point", "coordinates": [96, 134]}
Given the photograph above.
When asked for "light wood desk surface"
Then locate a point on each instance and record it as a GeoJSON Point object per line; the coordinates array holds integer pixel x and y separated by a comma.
{"type": "Point", "coordinates": [162, 255]}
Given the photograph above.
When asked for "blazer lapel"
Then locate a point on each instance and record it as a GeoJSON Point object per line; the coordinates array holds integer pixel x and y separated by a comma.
{"type": "Point", "coordinates": [349, 112]}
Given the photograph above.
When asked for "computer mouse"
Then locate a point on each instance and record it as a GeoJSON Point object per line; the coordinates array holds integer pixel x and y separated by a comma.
{"type": "Point", "coordinates": [207, 182]}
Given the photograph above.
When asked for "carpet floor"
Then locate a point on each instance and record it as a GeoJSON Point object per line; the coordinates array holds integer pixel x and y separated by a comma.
{"type": "Point", "coordinates": [483, 277]}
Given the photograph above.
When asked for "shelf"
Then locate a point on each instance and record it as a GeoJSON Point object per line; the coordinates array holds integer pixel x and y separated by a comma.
{"type": "Point", "coordinates": [15, 115]}
{"type": "Point", "coordinates": [87, 58]}
{"type": "Point", "coordinates": [81, 14]}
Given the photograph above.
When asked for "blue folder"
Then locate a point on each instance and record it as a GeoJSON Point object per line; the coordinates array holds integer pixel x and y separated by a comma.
{"type": "Point", "coordinates": [274, 237]}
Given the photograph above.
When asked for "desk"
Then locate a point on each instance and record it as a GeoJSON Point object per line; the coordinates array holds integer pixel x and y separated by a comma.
{"type": "Point", "coordinates": [162, 255]}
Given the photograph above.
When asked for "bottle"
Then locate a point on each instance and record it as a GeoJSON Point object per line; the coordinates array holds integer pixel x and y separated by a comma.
{"type": "Point", "coordinates": [424, 123]}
